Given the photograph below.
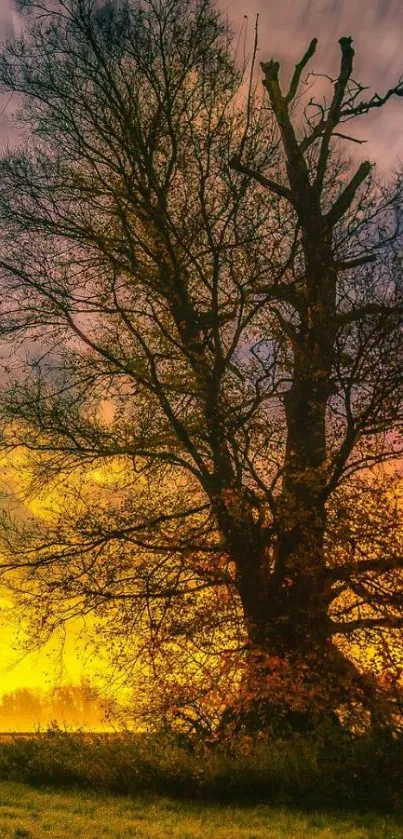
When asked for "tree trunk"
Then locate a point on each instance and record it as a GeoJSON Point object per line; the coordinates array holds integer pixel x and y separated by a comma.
{"type": "Point", "coordinates": [294, 668]}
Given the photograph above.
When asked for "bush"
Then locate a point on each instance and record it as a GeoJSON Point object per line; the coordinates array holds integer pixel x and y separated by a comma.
{"type": "Point", "coordinates": [314, 771]}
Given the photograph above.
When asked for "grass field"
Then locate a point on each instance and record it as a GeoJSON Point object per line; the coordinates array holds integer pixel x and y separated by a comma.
{"type": "Point", "coordinates": [27, 813]}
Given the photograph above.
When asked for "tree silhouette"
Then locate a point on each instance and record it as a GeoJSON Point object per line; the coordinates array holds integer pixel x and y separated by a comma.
{"type": "Point", "coordinates": [71, 705]}
{"type": "Point", "coordinates": [204, 294]}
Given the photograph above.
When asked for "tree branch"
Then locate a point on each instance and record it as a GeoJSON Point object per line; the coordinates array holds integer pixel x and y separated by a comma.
{"type": "Point", "coordinates": [333, 116]}
{"type": "Point", "coordinates": [297, 168]}
{"type": "Point", "coordinates": [346, 198]}
{"type": "Point", "coordinates": [354, 315]}
{"type": "Point", "coordinates": [346, 264]}
{"type": "Point", "coordinates": [348, 627]}
{"type": "Point", "coordinates": [376, 101]}
{"type": "Point", "coordinates": [380, 566]}
{"type": "Point", "coordinates": [298, 70]}
{"type": "Point", "coordinates": [349, 138]}
{"type": "Point", "coordinates": [278, 189]}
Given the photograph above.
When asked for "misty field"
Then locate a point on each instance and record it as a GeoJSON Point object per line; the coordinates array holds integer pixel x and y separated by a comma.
{"type": "Point", "coordinates": [26, 813]}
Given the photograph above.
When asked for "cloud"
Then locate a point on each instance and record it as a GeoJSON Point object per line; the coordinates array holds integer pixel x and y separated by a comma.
{"type": "Point", "coordinates": [8, 20]}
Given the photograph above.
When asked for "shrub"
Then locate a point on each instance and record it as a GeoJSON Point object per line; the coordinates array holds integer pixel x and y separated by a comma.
{"type": "Point", "coordinates": [314, 771]}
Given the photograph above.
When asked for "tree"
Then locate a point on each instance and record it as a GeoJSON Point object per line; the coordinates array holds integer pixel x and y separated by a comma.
{"type": "Point", "coordinates": [71, 705]}
{"type": "Point", "coordinates": [205, 294]}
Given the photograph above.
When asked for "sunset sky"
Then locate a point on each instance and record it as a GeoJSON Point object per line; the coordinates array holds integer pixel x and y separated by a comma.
{"type": "Point", "coordinates": [285, 30]}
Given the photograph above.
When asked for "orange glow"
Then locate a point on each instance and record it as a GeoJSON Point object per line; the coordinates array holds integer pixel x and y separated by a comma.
{"type": "Point", "coordinates": [64, 660]}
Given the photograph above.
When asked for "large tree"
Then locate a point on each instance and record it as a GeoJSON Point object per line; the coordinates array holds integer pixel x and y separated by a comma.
{"type": "Point", "coordinates": [202, 292]}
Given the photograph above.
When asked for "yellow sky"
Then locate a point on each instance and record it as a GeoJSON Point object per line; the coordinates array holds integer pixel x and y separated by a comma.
{"type": "Point", "coordinates": [62, 660]}
{"type": "Point", "coordinates": [65, 658]}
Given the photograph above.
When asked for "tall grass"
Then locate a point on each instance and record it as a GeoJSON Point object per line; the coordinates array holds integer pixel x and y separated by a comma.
{"type": "Point", "coordinates": [313, 771]}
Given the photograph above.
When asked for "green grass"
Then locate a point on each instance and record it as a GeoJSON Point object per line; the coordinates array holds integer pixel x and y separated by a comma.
{"type": "Point", "coordinates": [27, 813]}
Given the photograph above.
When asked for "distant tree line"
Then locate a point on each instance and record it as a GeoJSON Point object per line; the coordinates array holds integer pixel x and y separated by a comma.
{"type": "Point", "coordinates": [70, 705]}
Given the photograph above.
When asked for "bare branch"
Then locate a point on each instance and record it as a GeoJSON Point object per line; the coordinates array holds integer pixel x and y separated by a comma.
{"type": "Point", "coordinates": [350, 139]}
{"type": "Point", "coordinates": [348, 264]}
{"type": "Point", "coordinates": [243, 169]}
{"type": "Point", "coordinates": [333, 115]}
{"type": "Point", "coordinates": [359, 313]}
{"type": "Point", "coordinates": [376, 101]}
{"type": "Point", "coordinates": [346, 198]}
{"type": "Point", "coordinates": [299, 69]}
